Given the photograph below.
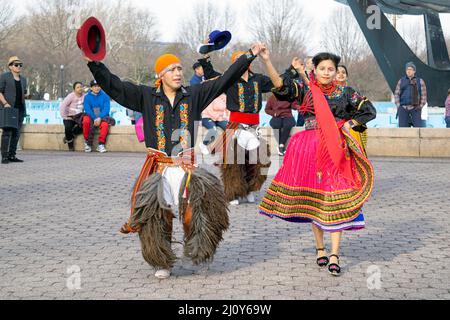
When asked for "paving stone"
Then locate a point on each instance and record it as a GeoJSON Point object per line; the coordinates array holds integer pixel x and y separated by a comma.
{"type": "Point", "coordinates": [72, 206]}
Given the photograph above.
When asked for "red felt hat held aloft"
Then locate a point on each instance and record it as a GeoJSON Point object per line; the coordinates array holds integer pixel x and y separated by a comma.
{"type": "Point", "coordinates": [91, 39]}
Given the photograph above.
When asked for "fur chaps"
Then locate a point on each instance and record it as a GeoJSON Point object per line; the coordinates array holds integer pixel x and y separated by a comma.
{"type": "Point", "coordinates": [241, 179]}
{"type": "Point", "coordinates": [209, 216]}
{"type": "Point", "coordinates": [154, 218]}
{"type": "Point", "coordinates": [203, 230]}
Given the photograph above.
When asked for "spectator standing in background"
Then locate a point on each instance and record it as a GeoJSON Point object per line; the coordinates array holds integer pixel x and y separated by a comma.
{"type": "Point", "coordinates": [410, 98]}
{"type": "Point", "coordinates": [13, 89]}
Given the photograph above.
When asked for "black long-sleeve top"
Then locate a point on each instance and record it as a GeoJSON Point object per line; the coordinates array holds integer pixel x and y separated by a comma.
{"type": "Point", "coordinates": [161, 119]}
{"type": "Point", "coordinates": [242, 96]}
{"type": "Point", "coordinates": [345, 103]}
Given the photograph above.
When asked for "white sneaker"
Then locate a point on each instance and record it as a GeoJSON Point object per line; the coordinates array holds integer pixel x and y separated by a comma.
{"type": "Point", "coordinates": [162, 274]}
{"type": "Point", "coordinates": [251, 197]}
{"type": "Point", "coordinates": [87, 148]}
{"type": "Point", "coordinates": [101, 148]}
{"type": "Point", "coordinates": [234, 202]}
{"type": "Point", "coordinates": [204, 149]}
{"type": "Point", "coordinates": [281, 150]}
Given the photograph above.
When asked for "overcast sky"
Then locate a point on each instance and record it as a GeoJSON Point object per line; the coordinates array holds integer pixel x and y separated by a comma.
{"type": "Point", "coordinates": [169, 12]}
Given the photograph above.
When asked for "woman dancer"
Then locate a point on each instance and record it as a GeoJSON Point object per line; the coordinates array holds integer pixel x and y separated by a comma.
{"type": "Point", "coordinates": [325, 178]}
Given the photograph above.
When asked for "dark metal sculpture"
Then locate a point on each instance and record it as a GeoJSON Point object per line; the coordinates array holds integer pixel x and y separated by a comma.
{"type": "Point", "coordinates": [391, 51]}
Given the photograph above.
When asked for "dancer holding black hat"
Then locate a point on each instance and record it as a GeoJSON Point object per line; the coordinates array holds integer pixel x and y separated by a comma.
{"type": "Point", "coordinates": [246, 155]}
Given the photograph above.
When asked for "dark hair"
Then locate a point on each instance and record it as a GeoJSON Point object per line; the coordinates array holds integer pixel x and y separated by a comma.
{"type": "Point", "coordinates": [448, 91]}
{"type": "Point", "coordinates": [344, 67]}
{"type": "Point", "coordinates": [318, 58]}
{"type": "Point", "coordinates": [75, 84]}
{"type": "Point", "coordinates": [196, 65]}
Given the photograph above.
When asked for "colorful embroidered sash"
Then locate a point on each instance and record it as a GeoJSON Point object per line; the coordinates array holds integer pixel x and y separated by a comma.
{"type": "Point", "coordinates": [241, 91]}
{"type": "Point", "coordinates": [159, 123]}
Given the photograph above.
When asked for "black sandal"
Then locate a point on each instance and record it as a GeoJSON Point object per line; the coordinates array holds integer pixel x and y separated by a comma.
{"type": "Point", "coordinates": [322, 261]}
{"type": "Point", "coordinates": [334, 268]}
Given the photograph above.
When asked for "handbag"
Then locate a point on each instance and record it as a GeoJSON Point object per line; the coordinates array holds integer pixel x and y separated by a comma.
{"type": "Point", "coordinates": [424, 113]}
{"type": "Point", "coordinates": [9, 118]}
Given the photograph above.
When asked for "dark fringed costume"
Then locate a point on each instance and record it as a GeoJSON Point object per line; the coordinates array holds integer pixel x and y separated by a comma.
{"type": "Point", "coordinates": [244, 101]}
{"type": "Point", "coordinates": [244, 171]}
{"type": "Point", "coordinates": [202, 207]}
{"type": "Point", "coordinates": [169, 178]}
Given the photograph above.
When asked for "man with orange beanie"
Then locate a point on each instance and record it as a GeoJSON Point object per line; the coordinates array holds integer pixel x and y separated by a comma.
{"type": "Point", "coordinates": [242, 178]}
{"type": "Point", "coordinates": [169, 179]}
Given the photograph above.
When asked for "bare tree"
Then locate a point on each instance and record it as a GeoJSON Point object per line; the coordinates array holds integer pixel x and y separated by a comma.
{"type": "Point", "coordinates": [48, 41]}
{"type": "Point", "coordinates": [344, 37]}
{"type": "Point", "coordinates": [280, 24]}
{"type": "Point", "coordinates": [207, 16]}
{"type": "Point", "coordinates": [131, 33]}
{"type": "Point", "coordinates": [6, 20]}
{"type": "Point", "coordinates": [366, 77]}
{"type": "Point", "coordinates": [414, 36]}
{"type": "Point", "coordinates": [8, 26]}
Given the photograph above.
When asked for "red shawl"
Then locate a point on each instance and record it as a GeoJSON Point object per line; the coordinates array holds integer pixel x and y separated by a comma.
{"type": "Point", "coordinates": [331, 142]}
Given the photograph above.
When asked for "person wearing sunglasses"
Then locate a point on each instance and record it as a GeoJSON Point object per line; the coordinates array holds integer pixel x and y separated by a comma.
{"type": "Point", "coordinates": [13, 89]}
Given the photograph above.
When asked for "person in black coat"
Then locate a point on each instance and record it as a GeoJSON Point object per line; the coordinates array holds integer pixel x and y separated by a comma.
{"type": "Point", "coordinates": [13, 89]}
{"type": "Point", "coordinates": [170, 179]}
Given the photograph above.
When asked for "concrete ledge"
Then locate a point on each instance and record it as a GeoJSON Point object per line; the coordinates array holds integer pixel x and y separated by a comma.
{"type": "Point", "coordinates": [435, 142]}
{"type": "Point", "coordinates": [394, 142]}
{"type": "Point", "coordinates": [50, 137]}
{"type": "Point", "coordinates": [389, 142]}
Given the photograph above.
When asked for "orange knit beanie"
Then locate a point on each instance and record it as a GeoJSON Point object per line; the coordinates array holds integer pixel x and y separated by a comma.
{"type": "Point", "coordinates": [161, 64]}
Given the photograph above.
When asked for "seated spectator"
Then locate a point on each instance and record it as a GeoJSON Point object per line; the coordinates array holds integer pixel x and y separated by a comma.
{"type": "Point", "coordinates": [215, 115]}
{"type": "Point", "coordinates": [96, 106]}
{"type": "Point", "coordinates": [282, 120]}
{"type": "Point", "coordinates": [71, 110]}
{"type": "Point", "coordinates": [447, 109]}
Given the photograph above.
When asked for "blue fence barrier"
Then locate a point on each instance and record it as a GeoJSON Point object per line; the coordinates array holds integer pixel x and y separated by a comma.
{"type": "Point", "coordinates": [47, 112]}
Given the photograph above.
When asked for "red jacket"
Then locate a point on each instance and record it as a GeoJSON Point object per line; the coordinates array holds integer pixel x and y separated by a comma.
{"type": "Point", "coordinates": [278, 109]}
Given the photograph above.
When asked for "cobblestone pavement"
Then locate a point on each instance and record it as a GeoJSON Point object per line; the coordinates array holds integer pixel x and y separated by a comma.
{"type": "Point", "coordinates": [61, 212]}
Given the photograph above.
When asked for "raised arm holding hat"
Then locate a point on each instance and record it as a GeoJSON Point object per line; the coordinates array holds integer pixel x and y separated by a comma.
{"type": "Point", "coordinates": [170, 94]}
{"type": "Point", "coordinates": [217, 40]}
{"type": "Point", "coordinates": [244, 101]}
{"type": "Point", "coordinates": [169, 112]}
